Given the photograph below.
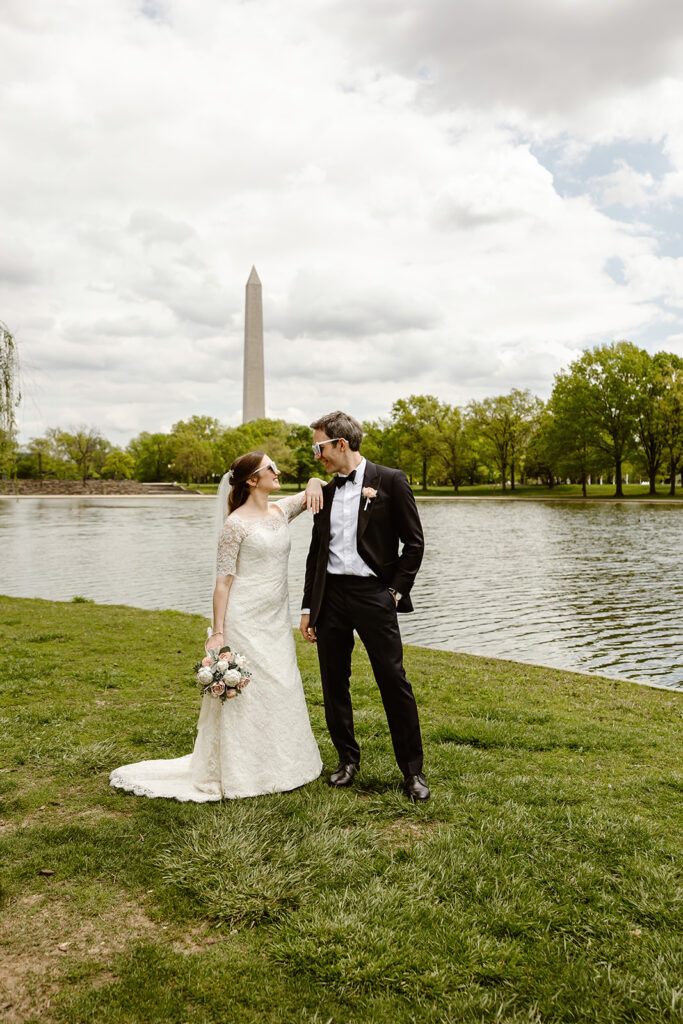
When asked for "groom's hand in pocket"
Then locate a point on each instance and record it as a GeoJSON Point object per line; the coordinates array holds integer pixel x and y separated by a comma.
{"type": "Point", "coordinates": [307, 631]}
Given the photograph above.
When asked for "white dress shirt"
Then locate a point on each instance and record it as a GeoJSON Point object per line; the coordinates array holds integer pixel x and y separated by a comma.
{"type": "Point", "coordinates": [343, 558]}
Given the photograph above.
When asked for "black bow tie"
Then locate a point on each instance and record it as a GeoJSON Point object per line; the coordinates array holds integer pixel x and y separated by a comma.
{"type": "Point", "coordinates": [341, 480]}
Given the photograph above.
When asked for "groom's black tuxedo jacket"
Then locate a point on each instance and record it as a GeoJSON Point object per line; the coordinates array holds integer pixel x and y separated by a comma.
{"type": "Point", "coordinates": [389, 519]}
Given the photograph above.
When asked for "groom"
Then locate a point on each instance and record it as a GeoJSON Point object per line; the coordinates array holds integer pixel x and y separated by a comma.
{"type": "Point", "coordinates": [356, 579]}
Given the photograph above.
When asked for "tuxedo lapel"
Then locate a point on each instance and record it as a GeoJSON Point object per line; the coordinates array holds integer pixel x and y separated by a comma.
{"type": "Point", "coordinates": [371, 478]}
{"type": "Point", "coordinates": [324, 518]}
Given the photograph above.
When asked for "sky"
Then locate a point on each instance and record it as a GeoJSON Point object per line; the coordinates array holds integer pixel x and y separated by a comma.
{"type": "Point", "coordinates": [439, 197]}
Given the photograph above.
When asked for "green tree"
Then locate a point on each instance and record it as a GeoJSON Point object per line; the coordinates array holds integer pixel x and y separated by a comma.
{"type": "Point", "coordinates": [100, 457]}
{"type": "Point", "coordinates": [206, 428]}
{"type": "Point", "coordinates": [383, 444]}
{"type": "Point", "coordinates": [374, 439]}
{"type": "Point", "coordinates": [230, 444]}
{"type": "Point", "coordinates": [304, 465]}
{"type": "Point", "coordinates": [278, 449]}
{"type": "Point", "coordinates": [63, 466]}
{"type": "Point", "coordinates": [152, 456]}
{"type": "Point", "coordinates": [611, 374]}
{"type": "Point", "coordinates": [193, 458]}
{"type": "Point", "coordinates": [572, 435]}
{"type": "Point", "coordinates": [506, 424]}
{"type": "Point", "coordinates": [671, 368]}
{"type": "Point", "coordinates": [526, 410]}
{"type": "Point", "coordinates": [41, 450]}
{"type": "Point", "coordinates": [271, 436]}
{"type": "Point", "coordinates": [208, 431]}
{"type": "Point", "coordinates": [118, 465]}
{"type": "Point", "coordinates": [81, 448]}
{"type": "Point", "coordinates": [454, 444]}
{"type": "Point", "coordinates": [416, 422]}
{"type": "Point", "coordinates": [541, 455]}
{"type": "Point", "coordinates": [10, 396]}
{"type": "Point", "coordinates": [650, 422]}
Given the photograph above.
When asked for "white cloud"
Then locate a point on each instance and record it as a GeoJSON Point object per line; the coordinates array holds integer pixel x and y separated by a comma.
{"type": "Point", "coordinates": [374, 162]}
{"type": "Point", "coordinates": [540, 56]}
{"type": "Point", "coordinates": [625, 187]}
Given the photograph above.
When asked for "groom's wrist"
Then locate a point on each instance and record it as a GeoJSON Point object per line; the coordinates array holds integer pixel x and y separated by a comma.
{"type": "Point", "coordinates": [305, 611]}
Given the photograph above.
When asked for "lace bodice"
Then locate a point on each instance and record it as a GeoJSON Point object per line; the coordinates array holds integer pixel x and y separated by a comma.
{"type": "Point", "coordinates": [236, 529]}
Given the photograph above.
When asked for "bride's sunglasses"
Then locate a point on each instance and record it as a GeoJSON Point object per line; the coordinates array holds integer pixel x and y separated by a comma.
{"type": "Point", "coordinates": [269, 465]}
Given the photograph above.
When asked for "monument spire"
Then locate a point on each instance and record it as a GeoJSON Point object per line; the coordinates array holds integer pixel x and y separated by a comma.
{"type": "Point", "coordinates": [253, 388]}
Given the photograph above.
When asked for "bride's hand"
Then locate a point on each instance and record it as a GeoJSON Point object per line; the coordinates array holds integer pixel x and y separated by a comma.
{"type": "Point", "coordinates": [314, 494]}
{"type": "Point", "coordinates": [214, 642]}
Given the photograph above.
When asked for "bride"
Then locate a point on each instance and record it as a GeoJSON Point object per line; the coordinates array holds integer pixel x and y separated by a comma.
{"type": "Point", "coordinates": [261, 741]}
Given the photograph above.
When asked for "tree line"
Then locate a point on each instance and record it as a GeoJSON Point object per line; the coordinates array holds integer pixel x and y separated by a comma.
{"type": "Point", "coordinates": [615, 409]}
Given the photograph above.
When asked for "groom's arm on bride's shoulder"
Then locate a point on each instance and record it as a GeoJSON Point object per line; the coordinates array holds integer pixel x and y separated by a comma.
{"type": "Point", "coordinates": [311, 499]}
{"type": "Point", "coordinates": [409, 528]}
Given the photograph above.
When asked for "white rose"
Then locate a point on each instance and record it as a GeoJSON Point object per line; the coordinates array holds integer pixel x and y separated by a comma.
{"type": "Point", "coordinates": [221, 667]}
{"type": "Point", "coordinates": [205, 675]}
{"type": "Point", "coordinates": [241, 660]}
{"type": "Point", "coordinates": [232, 676]}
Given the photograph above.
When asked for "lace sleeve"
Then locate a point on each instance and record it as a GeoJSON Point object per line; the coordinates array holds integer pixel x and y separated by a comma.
{"type": "Point", "coordinates": [229, 542]}
{"type": "Point", "coordinates": [292, 506]}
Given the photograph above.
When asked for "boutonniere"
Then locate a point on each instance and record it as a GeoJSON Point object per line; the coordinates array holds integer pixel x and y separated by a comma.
{"type": "Point", "coordinates": [368, 493]}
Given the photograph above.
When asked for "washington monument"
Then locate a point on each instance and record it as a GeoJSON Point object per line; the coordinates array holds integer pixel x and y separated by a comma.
{"type": "Point", "coordinates": [253, 387]}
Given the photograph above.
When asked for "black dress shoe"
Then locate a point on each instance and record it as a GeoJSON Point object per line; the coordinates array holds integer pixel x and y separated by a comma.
{"type": "Point", "coordinates": [416, 787]}
{"type": "Point", "coordinates": [343, 776]}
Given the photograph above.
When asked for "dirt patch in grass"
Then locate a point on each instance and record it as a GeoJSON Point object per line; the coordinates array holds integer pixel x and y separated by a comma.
{"type": "Point", "coordinates": [42, 935]}
{"type": "Point", "coordinates": [405, 832]}
{"type": "Point", "coordinates": [54, 813]}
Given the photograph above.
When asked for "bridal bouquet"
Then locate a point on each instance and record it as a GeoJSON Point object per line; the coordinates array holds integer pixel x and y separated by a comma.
{"type": "Point", "coordinates": [222, 674]}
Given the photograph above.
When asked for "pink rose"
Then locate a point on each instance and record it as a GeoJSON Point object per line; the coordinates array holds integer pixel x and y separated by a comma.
{"type": "Point", "coordinates": [217, 689]}
{"type": "Point", "coordinates": [246, 681]}
{"type": "Point", "coordinates": [368, 493]}
{"type": "Point", "coordinates": [225, 656]}
{"type": "Point", "coordinates": [230, 692]}
{"type": "Point", "coordinates": [207, 660]}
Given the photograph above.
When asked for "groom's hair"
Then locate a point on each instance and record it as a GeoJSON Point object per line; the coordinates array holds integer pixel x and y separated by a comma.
{"type": "Point", "coordinates": [340, 424]}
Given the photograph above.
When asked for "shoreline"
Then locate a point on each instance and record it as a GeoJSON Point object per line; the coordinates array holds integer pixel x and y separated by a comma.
{"type": "Point", "coordinates": [421, 648]}
{"type": "Point", "coordinates": [548, 499]}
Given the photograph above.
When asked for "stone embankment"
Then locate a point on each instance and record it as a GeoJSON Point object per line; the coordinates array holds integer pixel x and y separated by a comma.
{"type": "Point", "coordinates": [76, 487]}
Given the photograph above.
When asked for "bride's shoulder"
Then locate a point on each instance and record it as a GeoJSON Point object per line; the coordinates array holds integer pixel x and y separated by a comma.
{"type": "Point", "coordinates": [234, 523]}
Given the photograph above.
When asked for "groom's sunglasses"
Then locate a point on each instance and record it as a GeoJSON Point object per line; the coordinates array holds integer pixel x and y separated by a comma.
{"type": "Point", "coordinates": [318, 446]}
{"type": "Point", "coordinates": [269, 465]}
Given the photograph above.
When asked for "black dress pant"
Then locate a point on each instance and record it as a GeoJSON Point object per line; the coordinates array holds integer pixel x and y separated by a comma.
{"type": "Point", "coordinates": [364, 603]}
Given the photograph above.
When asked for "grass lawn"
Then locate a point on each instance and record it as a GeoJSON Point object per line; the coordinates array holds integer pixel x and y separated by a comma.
{"type": "Point", "coordinates": [542, 883]}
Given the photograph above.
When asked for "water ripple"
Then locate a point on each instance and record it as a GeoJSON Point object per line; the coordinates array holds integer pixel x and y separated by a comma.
{"type": "Point", "coordinates": [593, 587]}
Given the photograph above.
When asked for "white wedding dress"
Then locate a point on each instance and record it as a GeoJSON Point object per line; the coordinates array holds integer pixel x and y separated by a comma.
{"type": "Point", "coordinates": [261, 741]}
